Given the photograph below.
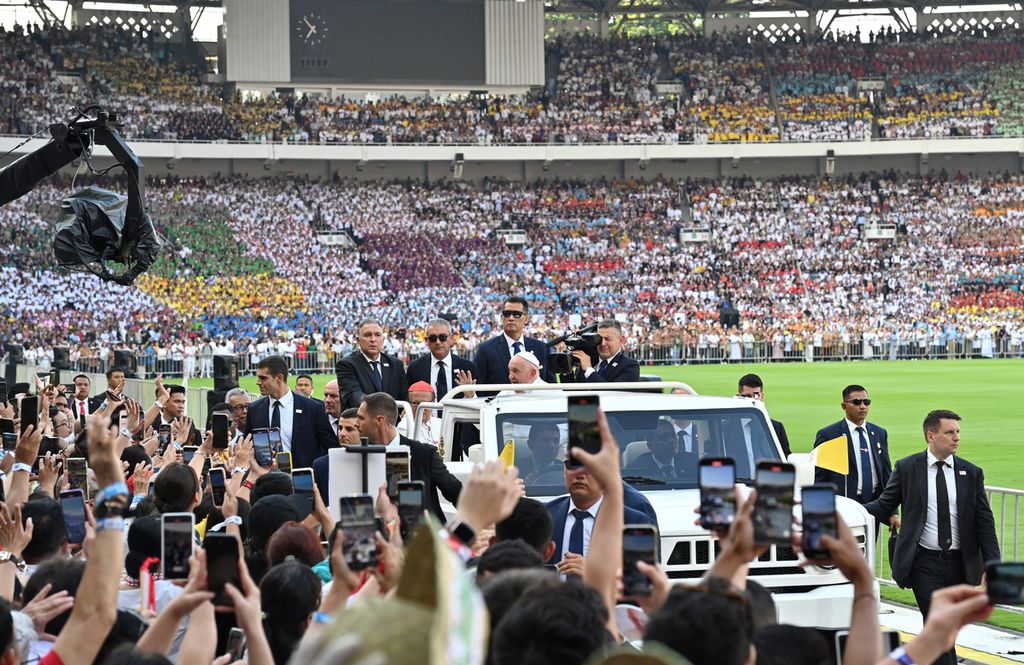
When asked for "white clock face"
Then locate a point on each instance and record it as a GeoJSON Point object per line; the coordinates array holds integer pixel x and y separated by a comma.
{"type": "Point", "coordinates": [312, 29]}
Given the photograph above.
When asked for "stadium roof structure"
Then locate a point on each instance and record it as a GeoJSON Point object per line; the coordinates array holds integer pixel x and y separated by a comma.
{"type": "Point", "coordinates": [743, 6]}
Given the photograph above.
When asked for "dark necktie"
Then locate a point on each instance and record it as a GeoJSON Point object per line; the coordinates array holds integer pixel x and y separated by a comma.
{"type": "Point", "coordinates": [601, 366]}
{"type": "Point", "coordinates": [516, 347]}
{"type": "Point", "coordinates": [865, 466]}
{"type": "Point", "coordinates": [275, 415]}
{"type": "Point", "coordinates": [442, 381]}
{"type": "Point", "coordinates": [378, 378]}
{"type": "Point", "coordinates": [942, 507]}
{"type": "Point", "coordinates": [576, 534]}
{"type": "Point", "coordinates": [683, 439]}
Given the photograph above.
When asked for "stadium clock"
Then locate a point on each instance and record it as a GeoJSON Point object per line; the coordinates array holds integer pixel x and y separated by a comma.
{"type": "Point", "coordinates": [312, 29]}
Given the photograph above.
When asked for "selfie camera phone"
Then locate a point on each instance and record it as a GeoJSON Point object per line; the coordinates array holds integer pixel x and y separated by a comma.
{"type": "Point", "coordinates": [176, 544]}
{"type": "Point", "coordinates": [72, 503]}
{"type": "Point", "coordinates": [639, 543]}
{"type": "Point", "coordinates": [773, 511]}
{"type": "Point", "coordinates": [717, 477]}
{"type": "Point", "coordinates": [583, 429]}
{"type": "Point", "coordinates": [818, 507]}
{"type": "Point", "coordinates": [411, 502]}
{"type": "Point", "coordinates": [360, 546]}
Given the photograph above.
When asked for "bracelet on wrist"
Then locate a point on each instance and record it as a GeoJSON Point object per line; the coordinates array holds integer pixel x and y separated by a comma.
{"type": "Point", "coordinates": [900, 655]}
{"type": "Point", "coordinates": [321, 617]}
{"type": "Point", "coordinates": [110, 524]}
{"type": "Point", "coordinates": [21, 466]}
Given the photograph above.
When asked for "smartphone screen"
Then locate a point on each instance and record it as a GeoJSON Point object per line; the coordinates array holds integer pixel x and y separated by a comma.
{"type": "Point", "coordinates": [261, 447]}
{"type": "Point", "coordinates": [176, 533]}
{"type": "Point", "coordinates": [302, 480]}
{"type": "Point", "coordinates": [360, 546]}
{"type": "Point", "coordinates": [410, 506]}
{"type": "Point", "coordinates": [10, 442]}
{"type": "Point", "coordinates": [236, 644]}
{"type": "Point", "coordinates": [717, 476]}
{"type": "Point", "coordinates": [3, 392]}
{"type": "Point", "coordinates": [78, 474]}
{"type": "Point", "coordinates": [188, 452]}
{"type": "Point", "coordinates": [221, 565]}
{"type": "Point", "coordinates": [583, 430]}
{"type": "Point", "coordinates": [1005, 583]}
{"type": "Point", "coordinates": [218, 480]}
{"type": "Point", "coordinates": [818, 505]}
{"type": "Point", "coordinates": [639, 543]}
{"type": "Point", "coordinates": [396, 470]}
{"type": "Point", "coordinates": [284, 462]}
{"type": "Point", "coordinates": [29, 412]}
{"type": "Point", "coordinates": [220, 430]}
{"type": "Point", "coordinates": [274, 436]}
{"type": "Point", "coordinates": [890, 641]}
{"type": "Point", "coordinates": [164, 437]}
{"type": "Point", "coordinates": [72, 503]}
{"type": "Point", "coordinates": [54, 378]}
{"type": "Point", "coordinates": [7, 425]}
{"type": "Point", "coordinates": [773, 511]}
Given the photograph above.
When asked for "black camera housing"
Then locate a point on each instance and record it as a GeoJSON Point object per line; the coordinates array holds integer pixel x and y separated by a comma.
{"type": "Point", "coordinates": [584, 339]}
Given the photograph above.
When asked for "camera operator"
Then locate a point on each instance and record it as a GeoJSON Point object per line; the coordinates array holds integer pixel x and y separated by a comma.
{"type": "Point", "coordinates": [614, 365]}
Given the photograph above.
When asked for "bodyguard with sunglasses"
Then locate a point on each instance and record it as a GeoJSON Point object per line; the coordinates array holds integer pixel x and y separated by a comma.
{"type": "Point", "coordinates": [867, 446]}
{"type": "Point", "coordinates": [441, 368]}
{"type": "Point", "coordinates": [492, 357]}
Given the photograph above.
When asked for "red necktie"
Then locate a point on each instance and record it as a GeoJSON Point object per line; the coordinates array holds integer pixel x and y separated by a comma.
{"type": "Point", "coordinates": [81, 408]}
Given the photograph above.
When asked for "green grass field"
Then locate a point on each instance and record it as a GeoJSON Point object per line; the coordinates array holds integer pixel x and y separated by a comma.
{"type": "Point", "coordinates": [806, 397]}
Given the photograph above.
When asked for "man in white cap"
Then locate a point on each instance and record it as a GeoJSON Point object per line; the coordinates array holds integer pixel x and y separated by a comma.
{"type": "Point", "coordinates": [524, 367]}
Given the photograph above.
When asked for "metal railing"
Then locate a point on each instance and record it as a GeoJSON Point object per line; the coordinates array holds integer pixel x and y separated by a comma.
{"type": "Point", "coordinates": [1007, 505]}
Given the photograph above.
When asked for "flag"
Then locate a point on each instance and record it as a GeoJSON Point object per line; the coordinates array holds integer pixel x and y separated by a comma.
{"type": "Point", "coordinates": [832, 455]}
{"type": "Point", "coordinates": [508, 453]}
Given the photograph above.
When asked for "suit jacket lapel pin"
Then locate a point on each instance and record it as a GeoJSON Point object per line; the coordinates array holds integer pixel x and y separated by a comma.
{"type": "Point", "coordinates": [615, 364]}
{"type": "Point", "coordinates": [962, 472]}
{"type": "Point", "coordinates": [298, 410]}
{"type": "Point", "coordinates": [386, 365]}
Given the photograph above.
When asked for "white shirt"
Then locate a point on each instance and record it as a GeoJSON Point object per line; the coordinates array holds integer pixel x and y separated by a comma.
{"type": "Point", "coordinates": [511, 349]}
{"type": "Point", "coordinates": [81, 406]}
{"type": "Point", "coordinates": [688, 441]}
{"type": "Point", "coordinates": [855, 438]}
{"type": "Point", "coordinates": [287, 413]}
{"type": "Point", "coordinates": [930, 533]}
{"type": "Point", "coordinates": [607, 363]}
{"type": "Point", "coordinates": [434, 369]}
{"type": "Point", "coordinates": [334, 424]}
{"type": "Point", "coordinates": [588, 526]}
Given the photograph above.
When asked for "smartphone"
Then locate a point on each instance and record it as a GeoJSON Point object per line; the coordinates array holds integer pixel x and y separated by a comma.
{"type": "Point", "coordinates": [3, 392]}
{"type": "Point", "coordinates": [164, 435]}
{"type": "Point", "coordinates": [7, 425]}
{"type": "Point", "coordinates": [176, 544]}
{"type": "Point", "coordinates": [411, 503]}
{"type": "Point", "coordinates": [78, 474]}
{"type": "Point", "coordinates": [221, 421]}
{"type": "Point", "coordinates": [716, 478]}
{"type": "Point", "coordinates": [818, 506]}
{"type": "Point", "coordinates": [72, 503]}
{"type": "Point", "coordinates": [890, 641]}
{"type": "Point", "coordinates": [29, 412]}
{"type": "Point", "coordinates": [221, 565]}
{"type": "Point", "coordinates": [10, 442]}
{"type": "Point", "coordinates": [54, 378]}
{"type": "Point", "coordinates": [302, 481]}
{"type": "Point", "coordinates": [583, 431]}
{"type": "Point", "coordinates": [396, 470]}
{"type": "Point", "coordinates": [188, 452]}
{"type": "Point", "coordinates": [360, 546]}
{"type": "Point", "coordinates": [773, 510]}
{"type": "Point", "coordinates": [639, 543]}
{"type": "Point", "coordinates": [236, 645]}
{"type": "Point", "coordinates": [274, 434]}
{"type": "Point", "coordinates": [123, 421]}
{"type": "Point", "coordinates": [1005, 583]}
{"type": "Point", "coordinates": [261, 447]}
{"type": "Point", "coordinates": [284, 462]}
{"type": "Point", "coordinates": [218, 481]}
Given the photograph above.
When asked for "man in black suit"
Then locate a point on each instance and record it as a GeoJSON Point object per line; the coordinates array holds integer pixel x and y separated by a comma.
{"type": "Point", "coordinates": [80, 403]}
{"type": "Point", "coordinates": [378, 413]}
{"type": "Point", "coordinates": [950, 530]}
{"type": "Point", "coordinates": [305, 429]}
{"type": "Point", "coordinates": [751, 386]}
{"type": "Point", "coordinates": [614, 365]}
{"type": "Point", "coordinates": [867, 447]}
{"type": "Point", "coordinates": [115, 384]}
{"type": "Point", "coordinates": [664, 461]}
{"type": "Point", "coordinates": [492, 356]}
{"type": "Point", "coordinates": [441, 368]}
{"type": "Point", "coordinates": [369, 370]}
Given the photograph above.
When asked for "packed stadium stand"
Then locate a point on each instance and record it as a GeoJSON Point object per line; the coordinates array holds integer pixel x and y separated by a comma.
{"type": "Point", "coordinates": [735, 88]}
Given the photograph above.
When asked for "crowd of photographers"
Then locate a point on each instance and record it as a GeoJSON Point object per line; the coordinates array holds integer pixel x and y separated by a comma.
{"type": "Point", "coordinates": [80, 587]}
{"type": "Point", "coordinates": [602, 90]}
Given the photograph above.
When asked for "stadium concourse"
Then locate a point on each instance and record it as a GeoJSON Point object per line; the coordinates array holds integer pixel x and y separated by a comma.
{"type": "Point", "coordinates": [735, 88]}
{"type": "Point", "coordinates": [244, 270]}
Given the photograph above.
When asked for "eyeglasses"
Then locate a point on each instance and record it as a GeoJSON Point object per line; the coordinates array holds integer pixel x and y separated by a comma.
{"type": "Point", "coordinates": [437, 338]}
{"type": "Point", "coordinates": [858, 402]}
{"type": "Point", "coordinates": [240, 407]}
{"type": "Point", "coordinates": [512, 314]}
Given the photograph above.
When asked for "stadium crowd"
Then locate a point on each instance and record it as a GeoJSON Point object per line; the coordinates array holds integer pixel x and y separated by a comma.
{"type": "Point", "coordinates": [244, 266]}
{"type": "Point", "coordinates": [735, 88]}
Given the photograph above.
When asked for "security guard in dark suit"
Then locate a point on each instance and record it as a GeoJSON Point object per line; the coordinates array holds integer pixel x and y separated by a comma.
{"type": "Point", "coordinates": [614, 366]}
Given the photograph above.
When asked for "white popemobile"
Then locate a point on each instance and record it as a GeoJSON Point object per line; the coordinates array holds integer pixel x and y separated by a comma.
{"type": "Point", "coordinates": [813, 596]}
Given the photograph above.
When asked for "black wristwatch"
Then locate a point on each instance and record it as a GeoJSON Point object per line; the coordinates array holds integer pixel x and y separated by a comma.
{"type": "Point", "coordinates": [462, 531]}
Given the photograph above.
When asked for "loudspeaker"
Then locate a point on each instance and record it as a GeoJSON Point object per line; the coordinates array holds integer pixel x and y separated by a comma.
{"type": "Point", "coordinates": [125, 359]}
{"type": "Point", "coordinates": [61, 357]}
{"type": "Point", "coordinates": [225, 372]}
{"type": "Point", "coordinates": [213, 398]}
{"type": "Point", "coordinates": [15, 353]}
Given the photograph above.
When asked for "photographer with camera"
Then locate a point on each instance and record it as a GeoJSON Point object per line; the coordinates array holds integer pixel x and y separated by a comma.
{"type": "Point", "coordinates": [614, 366]}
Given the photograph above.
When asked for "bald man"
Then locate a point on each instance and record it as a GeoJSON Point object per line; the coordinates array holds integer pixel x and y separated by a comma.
{"type": "Point", "coordinates": [332, 403]}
